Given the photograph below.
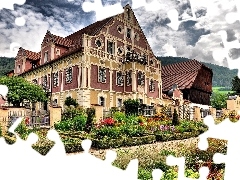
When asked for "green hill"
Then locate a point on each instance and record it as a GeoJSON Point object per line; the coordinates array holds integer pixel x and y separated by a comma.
{"type": "Point", "coordinates": [222, 76]}
{"type": "Point", "coordinates": [6, 65]}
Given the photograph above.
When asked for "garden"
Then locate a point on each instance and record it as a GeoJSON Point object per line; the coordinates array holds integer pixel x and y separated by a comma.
{"type": "Point", "coordinates": [127, 129]}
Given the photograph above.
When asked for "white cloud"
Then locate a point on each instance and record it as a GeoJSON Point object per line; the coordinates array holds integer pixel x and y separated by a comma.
{"type": "Point", "coordinates": [30, 35]}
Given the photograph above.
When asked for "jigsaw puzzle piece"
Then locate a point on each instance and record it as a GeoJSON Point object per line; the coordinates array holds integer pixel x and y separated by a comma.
{"type": "Point", "coordinates": [232, 17]}
{"type": "Point", "coordinates": [173, 15]}
{"type": "Point", "coordinates": [157, 174]}
{"type": "Point", "coordinates": [180, 162]}
{"type": "Point", "coordinates": [154, 5]}
{"type": "Point", "coordinates": [226, 51]}
{"type": "Point", "coordinates": [9, 4]}
{"type": "Point", "coordinates": [101, 11]}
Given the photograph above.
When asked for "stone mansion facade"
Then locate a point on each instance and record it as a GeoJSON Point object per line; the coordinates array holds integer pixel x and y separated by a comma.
{"type": "Point", "coordinates": [104, 63]}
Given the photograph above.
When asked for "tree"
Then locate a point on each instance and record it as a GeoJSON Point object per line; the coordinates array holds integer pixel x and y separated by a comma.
{"type": "Point", "coordinates": [236, 84]}
{"type": "Point", "coordinates": [175, 120]}
{"type": "Point", "coordinates": [219, 100]}
{"type": "Point", "coordinates": [131, 106]}
{"type": "Point", "coordinates": [20, 90]}
{"type": "Point", "coordinates": [70, 101]}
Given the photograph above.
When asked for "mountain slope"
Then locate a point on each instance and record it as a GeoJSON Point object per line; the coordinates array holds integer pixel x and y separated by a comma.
{"type": "Point", "coordinates": [6, 65]}
{"type": "Point", "coordinates": [222, 76]}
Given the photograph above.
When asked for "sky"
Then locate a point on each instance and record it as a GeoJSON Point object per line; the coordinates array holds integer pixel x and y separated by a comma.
{"type": "Point", "coordinates": [197, 36]}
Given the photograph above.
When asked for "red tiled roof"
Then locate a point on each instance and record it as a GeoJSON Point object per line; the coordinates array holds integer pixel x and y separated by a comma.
{"type": "Point", "coordinates": [92, 29]}
{"type": "Point", "coordinates": [183, 74]}
{"type": "Point", "coordinates": [31, 55]}
{"type": "Point", "coordinates": [62, 41]}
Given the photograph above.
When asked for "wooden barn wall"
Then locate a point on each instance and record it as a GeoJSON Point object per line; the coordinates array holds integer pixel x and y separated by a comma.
{"type": "Point", "coordinates": [199, 97]}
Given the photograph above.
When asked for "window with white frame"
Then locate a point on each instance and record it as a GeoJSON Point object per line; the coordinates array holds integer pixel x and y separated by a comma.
{"type": "Point", "coordinates": [55, 79]}
{"type": "Point", "coordinates": [69, 75]}
{"type": "Point", "coordinates": [128, 78]}
{"type": "Point", "coordinates": [19, 68]}
{"type": "Point", "coordinates": [58, 52]}
{"type": "Point", "coordinates": [44, 82]}
{"type": "Point", "coordinates": [119, 102]}
{"type": "Point", "coordinates": [128, 33]}
{"type": "Point", "coordinates": [119, 78]}
{"type": "Point", "coordinates": [141, 78]}
{"type": "Point", "coordinates": [34, 81]}
{"type": "Point", "coordinates": [102, 75]}
{"type": "Point", "coordinates": [151, 85]}
{"type": "Point", "coordinates": [101, 101]}
{"type": "Point", "coordinates": [110, 47]}
{"type": "Point", "coordinates": [46, 56]}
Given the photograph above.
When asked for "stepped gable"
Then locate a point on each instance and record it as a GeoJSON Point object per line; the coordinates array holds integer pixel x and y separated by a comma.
{"type": "Point", "coordinates": [183, 74]}
{"type": "Point", "coordinates": [92, 29]}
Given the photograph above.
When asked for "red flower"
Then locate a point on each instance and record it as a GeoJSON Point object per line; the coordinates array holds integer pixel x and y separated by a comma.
{"type": "Point", "coordinates": [27, 120]}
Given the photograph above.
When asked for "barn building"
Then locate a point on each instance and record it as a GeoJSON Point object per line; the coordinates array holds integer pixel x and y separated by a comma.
{"type": "Point", "coordinates": [193, 78]}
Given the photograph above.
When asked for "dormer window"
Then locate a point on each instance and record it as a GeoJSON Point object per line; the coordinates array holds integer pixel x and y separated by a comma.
{"type": "Point", "coordinates": [58, 52]}
{"type": "Point", "coordinates": [34, 65]}
{"type": "Point", "coordinates": [46, 56]}
{"type": "Point", "coordinates": [19, 68]}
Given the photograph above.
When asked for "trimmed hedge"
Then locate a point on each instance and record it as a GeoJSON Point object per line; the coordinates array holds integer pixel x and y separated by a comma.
{"type": "Point", "coordinates": [124, 141]}
{"type": "Point", "coordinates": [176, 136]}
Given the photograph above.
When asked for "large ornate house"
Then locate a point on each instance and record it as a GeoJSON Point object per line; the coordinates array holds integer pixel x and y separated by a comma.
{"type": "Point", "coordinates": [103, 63]}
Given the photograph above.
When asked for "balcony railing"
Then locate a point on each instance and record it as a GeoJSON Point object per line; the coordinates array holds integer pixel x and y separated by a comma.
{"type": "Point", "coordinates": [134, 57]}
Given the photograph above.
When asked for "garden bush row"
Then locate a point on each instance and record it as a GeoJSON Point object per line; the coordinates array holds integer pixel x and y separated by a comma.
{"type": "Point", "coordinates": [72, 142]}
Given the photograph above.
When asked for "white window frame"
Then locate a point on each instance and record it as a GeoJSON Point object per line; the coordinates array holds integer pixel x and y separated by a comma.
{"type": "Point", "coordinates": [119, 82]}
{"type": "Point", "coordinates": [129, 78]}
{"type": "Point", "coordinates": [102, 74]}
{"type": "Point", "coordinates": [102, 101]}
{"type": "Point", "coordinates": [151, 85]}
{"type": "Point", "coordinates": [69, 77]}
{"type": "Point", "coordinates": [119, 102]}
{"type": "Point", "coordinates": [46, 56]}
{"type": "Point", "coordinates": [112, 48]}
{"type": "Point", "coordinates": [55, 82]}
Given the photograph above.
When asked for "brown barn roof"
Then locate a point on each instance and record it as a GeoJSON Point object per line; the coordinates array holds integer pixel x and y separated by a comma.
{"type": "Point", "coordinates": [183, 74]}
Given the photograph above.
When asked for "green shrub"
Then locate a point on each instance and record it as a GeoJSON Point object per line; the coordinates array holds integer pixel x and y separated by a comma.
{"type": "Point", "coordinates": [22, 130]}
{"type": "Point", "coordinates": [122, 141]}
{"type": "Point", "coordinates": [108, 131]}
{"type": "Point", "coordinates": [131, 106]}
{"type": "Point", "coordinates": [132, 130]}
{"type": "Point", "coordinates": [71, 112]}
{"type": "Point", "coordinates": [119, 116]}
{"type": "Point", "coordinates": [69, 101]}
{"type": "Point", "coordinates": [77, 123]}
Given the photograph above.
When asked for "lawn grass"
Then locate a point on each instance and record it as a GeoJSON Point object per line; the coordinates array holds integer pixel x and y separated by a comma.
{"type": "Point", "coordinates": [218, 89]}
